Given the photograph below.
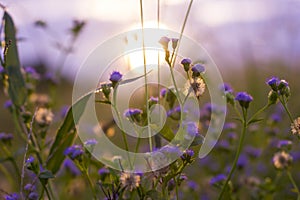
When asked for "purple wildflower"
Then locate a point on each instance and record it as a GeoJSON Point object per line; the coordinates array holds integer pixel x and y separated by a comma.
{"type": "Point", "coordinates": [192, 185]}
{"type": "Point", "coordinates": [244, 99]}
{"type": "Point", "coordinates": [29, 187]}
{"type": "Point", "coordinates": [226, 87]}
{"type": "Point", "coordinates": [133, 114]}
{"type": "Point", "coordinates": [197, 69]}
{"type": "Point", "coordinates": [115, 77]}
{"type": "Point", "coordinates": [253, 152]}
{"type": "Point", "coordinates": [242, 161]}
{"type": "Point", "coordinates": [186, 62]}
{"type": "Point", "coordinates": [284, 143]}
{"type": "Point", "coordinates": [2, 70]}
{"type": "Point", "coordinates": [273, 83]}
{"type": "Point", "coordinates": [187, 156]}
{"type": "Point", "coordinates": [74, 152]}
{"type": "Point", "coordinates": [13, 196]}
{"type": "Point", "coordinates": [6, 137]}
{"type": "Point", "coordinates": [33, 196]}
{"type": "Point", "coordinates": [217, 179]}
{"type": "Point", "coordinates": [8, 104]}
{"type": "Point", "coordinates": [71, 167]}
{"type": "Point", "coordinates": [30, 160]}
{"type": "Point", "coordinates": [174, 42]}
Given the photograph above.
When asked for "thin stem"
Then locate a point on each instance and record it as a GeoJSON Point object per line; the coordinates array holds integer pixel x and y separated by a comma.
{"type": "Point", "coordinates": [145, 73]}
{"type": "Point", "coordinates": [294, 184]}
{"type": "Point", "coordinates": [176, 189]}
{"type": "Point", "coordinates": [181, 32]}
{"type": "Point", "coordinates": [237, 155]}
{"type": "Point", "coordinates": [258, 112]}
{"type": "Point", "coordinates": [283, 102]}
{"type": "Point", "coordinates": [86, 173]}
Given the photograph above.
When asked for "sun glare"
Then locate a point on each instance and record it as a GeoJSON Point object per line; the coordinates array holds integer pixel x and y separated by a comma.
{"type": "Point", "coordinates": [135, 58]}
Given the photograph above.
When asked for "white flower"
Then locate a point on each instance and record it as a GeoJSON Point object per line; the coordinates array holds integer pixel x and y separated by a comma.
{"type": "Point", "coordinates": [44, 117]}
{"type": "Point", "coordinates": [282, 160]}
{"type": "Point", "coordinates": [295, 127]}
{"type": "Point", "coordinates": [130, 181]}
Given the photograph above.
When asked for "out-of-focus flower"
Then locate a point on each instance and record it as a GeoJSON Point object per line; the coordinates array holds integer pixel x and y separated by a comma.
{"type": "Point", "coordinates": [74, 152]}
{"type": "Point", "coordinates": [273, 83]}
{"type": "Point", "coordinates": [13, 196]}
{"type": "Point", "coordinates": [130, 181]}
{"type": "Point", "coordinates": [6, 137]}
{"type": "Point", "coordinates": [29, 187]}
{"type": "Point", "coordinates": [90, 144]}
{"type": "Point", "coordinates": [244, 99]}
{"type": "Point", "coordinates": [41, 100]}
{"type": "Point", "coordinates": [30, 160]}
{"type": "Point", "coordinates": [197, 69]}
{"type": "Point", "coordinates": [2, 70]}
{"type": "Point", "coordinates": [282, 160]}
{"type": "Point", "coordinates": [217, 179]}
{"type": "Point", "coordinates": [226, 87]}
{"type": "Point", "coordinates": [174, 43]}
{"type": "Point", "coordinates": [71, 167]}
{"type": "Point", "coordinates": [186, 62]}
{"type": "Point", "coordinates": [198, 85]}
{"type": "Point", "coordinates": [8, 104]}
{"type": "Point", "coordinates": [33, 196]}
{"type": "Point", "coordinates": [164, 41]}
{"type": "Point", "coordinates": [133, 114]}
{"type": "Point", "coordinates": [152, 101]}
{"type": "Point", "coordinates": [44, 117]}
{"type": "Point", "coordinates": [32, 72]}
{"type": "Point", "coordinates": [175, 113]}
{"type": "Point", "coordinates": [187, 156]}
{"type": "Point", "coordinates": [284, 143]}
{"type": "Point", "coordinates": [295, 127]}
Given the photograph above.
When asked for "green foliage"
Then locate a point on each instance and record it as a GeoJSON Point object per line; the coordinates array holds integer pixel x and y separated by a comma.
{"type": "Point", "coordinates": [16, 84]}
{"type": "Point", "coordinates": [66, 134]}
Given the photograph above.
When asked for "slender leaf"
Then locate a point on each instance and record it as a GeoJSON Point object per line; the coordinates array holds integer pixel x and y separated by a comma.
{"type": "Point", "coordinates": [66, 134]}
{"type": "Point", "coordinates": [167, 133]}
{"type": "Point", "coordinates": [254, 121]}
{"type": "Point", "coordinates": [17, 88]}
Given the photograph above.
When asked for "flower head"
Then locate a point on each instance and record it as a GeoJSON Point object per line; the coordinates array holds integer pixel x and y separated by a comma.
{"type": "Point", "coordinates": [44, 117]}
{"type": "Point", "coordinates": [33, 196]}
{"type": "Point", "coordinates": [30, 160]}
{"type": "Point", "coordinates": [198, 85]}
{"type": "Point", "coordinates": [164, 41]}
{"type": "Point", "coordinates": [6, 137]}
{"type": "Point", "coordinates": [174, 42]}
{"type": "Point", "coordinates": [74, 152]}
{"type": "Point", "coordinates": [244, 99]}
{"type": "Point", "coordinates": [2, 70]}
{"type": "Point", "coordinates": [13, 196]}
{"type": "Point", "coordinates": [273, 83]}
{"type": "Point", "coordinates": [282, 160]}
{"type": "Point", "coordinates": [8, 104]}
{"type": "Point", "coordinates": [29, 187]}
{"type": "Point", "coordinates": [217, 179]}
{"type": "Point", "coordinates": [71, 167]}
{"type": "Point", "coordinates": [133, 114]}
{"type": "Point", "coordinates": [295, 127]}
{"type": "Point", "coordinates": [186, 62]}
{"type": "Point", "coordinates": [187, 156]}
{"type": "Point", "coordinates": [130, 181]}
{"type": "Point", "coordinates": [197, 69]}
{"type": "Point", "coordinates": [115, 77]}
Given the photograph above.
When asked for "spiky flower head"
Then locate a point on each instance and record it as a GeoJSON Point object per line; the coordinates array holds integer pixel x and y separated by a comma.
{"type": "Point", "coordinates": [130, 181]}
{"type": "Point", "coordinates": [115, 78]}
{"type": "Point", "coordinates": [244, 99]}
{"type": "Point", "coordinates": [186, 62]}
{"type": "Point", "coordinates": [44, 117]}
{"type": "Point", "coordinates": [295, 127]}
{"type": "Point", "coordinates": [282, 160]}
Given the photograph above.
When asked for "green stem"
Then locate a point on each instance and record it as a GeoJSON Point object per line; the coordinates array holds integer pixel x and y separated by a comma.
{"type": "Point", "coordinates": [145, 73]}
{"type": "Point", "coordinates": [86, 173]}
{"type": "Point", "coordinates": [176, 189]}
{"type": "Point", "coordinates": [237, 155]}
{"type": "Point", "coordinates": [294, 184]}
{"type": "Point", "coordinates": [283, 102]}
{"type": "Point", "coordinates": [259, 112]}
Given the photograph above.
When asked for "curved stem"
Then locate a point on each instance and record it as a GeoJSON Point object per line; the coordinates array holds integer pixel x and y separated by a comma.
{"type": "Point", "coordinates": [294, 184]}
{"type": "Point", "coordinates": [90, 183]}
{"type": "Point", "coordinates": [237, 155]}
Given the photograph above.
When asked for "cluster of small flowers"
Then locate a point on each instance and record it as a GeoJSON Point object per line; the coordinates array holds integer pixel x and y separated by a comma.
{"type": "Point", "coordinates": [194, 72]}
